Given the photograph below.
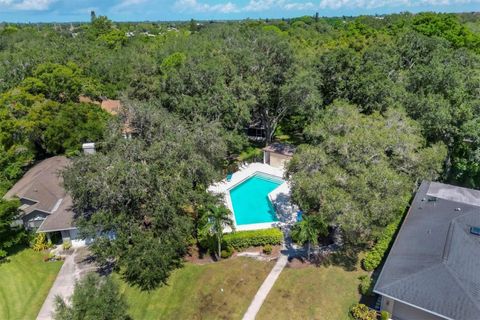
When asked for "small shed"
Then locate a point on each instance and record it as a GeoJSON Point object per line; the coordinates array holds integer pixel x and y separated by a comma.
{"type": "Point", "coordinates": [277, 154]}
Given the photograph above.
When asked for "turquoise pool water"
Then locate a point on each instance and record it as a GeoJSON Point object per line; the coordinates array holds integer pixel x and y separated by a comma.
{"type": "Point", "coordinates": [250, 200]}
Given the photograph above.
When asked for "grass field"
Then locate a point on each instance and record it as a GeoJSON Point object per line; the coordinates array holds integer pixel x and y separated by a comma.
{"type": "Point", "coordinates": [221, 290]}
{"type": "Point", "coordinates": [323, 293]}
{"type": "Point", "coordinates": [24, 284]}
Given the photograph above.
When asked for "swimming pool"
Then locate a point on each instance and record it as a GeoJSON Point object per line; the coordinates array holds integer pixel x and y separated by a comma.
{"type": "Point", "coordinates": [250, 199]}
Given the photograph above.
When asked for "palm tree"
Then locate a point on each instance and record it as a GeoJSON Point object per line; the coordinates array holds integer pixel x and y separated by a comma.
{"type": "Point", "coordinates": [213, 221]}
{"type": "Point", "coordinates": [308, 230]}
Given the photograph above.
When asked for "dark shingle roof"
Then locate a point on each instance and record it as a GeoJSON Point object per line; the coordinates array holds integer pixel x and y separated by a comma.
{"type": "Point", "coordinates": [43, 185]}
{"type": "Point", "coordinates": [434, 263]}
{"type": "Point", "coordinates": [61, 219]}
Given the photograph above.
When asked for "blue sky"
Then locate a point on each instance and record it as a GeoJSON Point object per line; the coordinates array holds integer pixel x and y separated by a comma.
{"type": "Point", "coordinates": [140, 10]}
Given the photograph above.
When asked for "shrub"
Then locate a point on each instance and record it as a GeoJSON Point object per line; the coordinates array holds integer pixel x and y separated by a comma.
{"type": "Point", "coordinates": [366, 285]}
{"type": "Point", "coordinates": [209, 243]}
{"type": "Point", "coordinates": [94, 297]}
{"type": "Point", "coordinates": [374, 257]}
{"type": "Point", "coordinates": [40, 242]}
{"type": "Point", "coordinates": [67, 245]}
{"type": "Point", "coordinates": [360, 311]}
{"type": "Point", "coordinates": [250, 153]}
{"type": "Point", "coordinates": [254, 238]}
{"type": "Point", "coordinates": [11, 234]}
{"type": "Point", "coordinates": [267, 249]}
{"type": "Point", "coordinates": [227, 252]}
{"type": "Point", "coordinates": [384, 315]}
{"type": "Point", "coordinates": [49, 257]}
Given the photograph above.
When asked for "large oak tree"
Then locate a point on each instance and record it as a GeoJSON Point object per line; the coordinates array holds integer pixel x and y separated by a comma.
{"type": "Point", "coordinates": [358, 171]}
{"type": "Point", "coordinates": [137, 197]}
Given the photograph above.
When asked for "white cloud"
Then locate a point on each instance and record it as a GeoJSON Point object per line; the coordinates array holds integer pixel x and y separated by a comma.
{"type": "Point", "coordinates": [251, 6]}
{"type": "Point", "coordinates": [371, 4]}
{"type": "Point", "coordinates": [195, 6]}
{"type": "Point", "coordinates": [223, 7]}
{"type": "Point", "coordinates": [127, 4]}
{"type": "Point", "coordinates": [265, 5]}
{"type": "Point", "coordinates": [27, 5]}
{"type": "Point", "coordinates": [299, 6]}
{"type": "Point", "coordinates": [259, 5]}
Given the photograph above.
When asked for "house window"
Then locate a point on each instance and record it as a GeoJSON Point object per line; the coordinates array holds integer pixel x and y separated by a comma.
{"type": "Point", "coordinates": [35, 224]}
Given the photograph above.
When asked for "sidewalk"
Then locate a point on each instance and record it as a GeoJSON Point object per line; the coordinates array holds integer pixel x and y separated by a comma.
{"type": "Point", "coordinates": [265, 288]}
{"type": "Point", "coordinates": [63, 287]}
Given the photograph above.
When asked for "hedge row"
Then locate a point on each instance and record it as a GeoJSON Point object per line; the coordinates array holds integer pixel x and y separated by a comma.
{"type": "Point", "coordinates": [374, 257]}
{"type": "Point", "coordinates": [253, 238]}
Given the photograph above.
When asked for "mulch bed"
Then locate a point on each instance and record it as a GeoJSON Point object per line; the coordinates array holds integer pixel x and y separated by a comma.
{"type": "Point", "coordinates": [299, 263]}
{"type": "Point", "coordinates": [197, 256]}
{"type": "Point", "coordinates": [275, 251]}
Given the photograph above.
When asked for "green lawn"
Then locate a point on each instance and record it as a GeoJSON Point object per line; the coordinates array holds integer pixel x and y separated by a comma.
{"type": "Point", "coordinates": [24, 284]}
{"type": "Point", "coordinates": [195, 291]}
{"type": "Point", "coordinates": [324, 293]}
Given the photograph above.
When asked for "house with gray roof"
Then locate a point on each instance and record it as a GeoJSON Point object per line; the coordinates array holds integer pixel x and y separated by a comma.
{"type": "Point", "coordinates": [45, 205]}
{"type": "Point", "coordinates": [433, 268]}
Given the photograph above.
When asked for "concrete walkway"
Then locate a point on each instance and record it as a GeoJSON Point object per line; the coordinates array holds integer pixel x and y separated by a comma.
{"type": "Point", "coordinates": [265, 288]}
{"type": "Point", "coordinates": [63, 287]}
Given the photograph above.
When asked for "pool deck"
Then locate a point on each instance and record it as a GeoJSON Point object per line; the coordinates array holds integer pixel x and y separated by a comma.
{"type": "Point", "coordinates": [280, 196]}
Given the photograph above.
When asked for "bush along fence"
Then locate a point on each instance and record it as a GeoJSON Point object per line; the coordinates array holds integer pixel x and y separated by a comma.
{"type": "Point", "coordinates": [374, 257]}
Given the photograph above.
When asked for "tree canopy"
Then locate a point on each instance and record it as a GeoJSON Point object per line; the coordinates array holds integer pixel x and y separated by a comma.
{"type": "Point", "coordinates": [134, 195]}
{"type": "Point", "coordinates": [42, 116]}
{"type": "Point", "coordinates": [93, 298]}
{"type": "Point", "coordinates": [357, 171]}
{"type": "Point", "coordinates": [375, 104]}
{"type": "Point", "coordinates": [10, 234]}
